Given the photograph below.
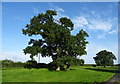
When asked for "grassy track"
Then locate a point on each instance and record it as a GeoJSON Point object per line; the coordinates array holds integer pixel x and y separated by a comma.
{"type": "Point", "coordinates": [80, 74]}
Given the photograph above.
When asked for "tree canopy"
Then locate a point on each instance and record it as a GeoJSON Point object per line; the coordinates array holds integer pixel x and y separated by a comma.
{"type": "Point", "coordinates": [104, 58]}
{"type": "Point", "coordinates": [57, 41]}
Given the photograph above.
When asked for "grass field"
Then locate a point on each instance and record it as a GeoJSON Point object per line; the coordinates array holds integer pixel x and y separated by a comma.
{"type": "Point", "coordinates": [78, 74]}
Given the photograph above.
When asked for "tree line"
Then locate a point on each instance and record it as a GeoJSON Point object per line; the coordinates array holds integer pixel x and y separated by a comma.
{"type": "Point", "coordinates": [7, 63]}
{"type": "Point", "coordinates": [10, 63]}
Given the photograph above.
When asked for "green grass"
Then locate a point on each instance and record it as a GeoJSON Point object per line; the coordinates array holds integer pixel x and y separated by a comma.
{"type": "Point", "coordinates": [80, 74]}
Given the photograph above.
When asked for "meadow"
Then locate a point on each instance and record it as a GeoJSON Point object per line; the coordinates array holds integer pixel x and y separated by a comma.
{"type": "Point", "coordinates": [81, 74]}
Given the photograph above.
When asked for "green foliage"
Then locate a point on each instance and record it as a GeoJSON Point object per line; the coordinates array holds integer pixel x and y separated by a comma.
{"type": "Point", "coordinates": [57, 41]}
{"type": "Point", "coordinates": [30, 64]}
{"type": "Point", "coordinates": [52, 66]}
{"type": "Point", "coordinates": [79, 62]}
{"type": "Point", "coordinates": [7, 63]}
{"type": "Point", "coordinates": [104, 58]}
{"type": "Point", "coordinates": [10, 63]}
{"type": "Point", "coordinates": [18, 64]}
{"type": "Point", "coordinates": [33, 64]}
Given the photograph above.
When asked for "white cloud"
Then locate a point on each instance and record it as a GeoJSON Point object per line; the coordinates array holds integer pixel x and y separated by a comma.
{"type": "Point", "coordinates": [100, 25]}
{"type": "Point", "coordinates": [79, 21]}
{"type": "Point", "coordinates": [106, 26]}
{"type": "Point", "coordinates": [101, 36]}
{"type": "Point", "coordinates": [35, 10]}
{"type": "Point", "coordinates": [93, 24]}
{"type": "Point", "coordinates": [112, 32]}
{"type": "Point", "coordinates": [59, 9]}
{"type": "Point", "coordinates": [14, 56]}
{"type": "Point", "coordinates": [60, 15]}
{"type": "Point", "coordinates": [21, 57]}
{"type": "Point", "coordinates": [56, 7]}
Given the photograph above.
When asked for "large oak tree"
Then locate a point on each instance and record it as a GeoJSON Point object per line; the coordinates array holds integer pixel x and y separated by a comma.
{"type": "Point", "coordinates": [57, 41]}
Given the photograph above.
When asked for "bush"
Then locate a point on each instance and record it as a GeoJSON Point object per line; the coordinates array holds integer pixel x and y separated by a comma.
{"type": "Point", "coordinates": [18, 64]}
{"type": "Point", "coordinates": [30, 64]}
{"type": "Point", "coordinates": [33, 64]}
{"type": "Point", "coordinates": [42, 65]}
{"type": "Point", "coordinates": [94, 65]}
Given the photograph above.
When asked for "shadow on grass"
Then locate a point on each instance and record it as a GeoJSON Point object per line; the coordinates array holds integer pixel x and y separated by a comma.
{"type": "Point", "coordinates": [104, 70]}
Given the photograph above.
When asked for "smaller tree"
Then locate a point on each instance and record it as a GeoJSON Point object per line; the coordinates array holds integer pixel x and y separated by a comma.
{"type": "Point", "coordinates": [104, 58]}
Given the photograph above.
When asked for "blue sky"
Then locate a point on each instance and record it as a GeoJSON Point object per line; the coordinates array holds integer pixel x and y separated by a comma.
{"type": "Point", "coordinates": [99, 20]}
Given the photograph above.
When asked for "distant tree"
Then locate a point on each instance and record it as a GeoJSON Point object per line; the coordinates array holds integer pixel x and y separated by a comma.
{"type": "Point", "coordinates": [104, 58]}
{"type": "Point", "coordinates": [57, 41]}
{"type": "Point", "coordinates": [7, 63]}
{"type": "Point", "coordinates": [18, 64]}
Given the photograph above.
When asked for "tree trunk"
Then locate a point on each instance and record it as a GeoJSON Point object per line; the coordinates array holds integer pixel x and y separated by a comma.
{"type": "Point", "coordinates": [58, 68]}
{"type": "Point", "coordinates": [68, 66]}
{"type": "Point", "coordinates": [38, 58]}
{"type": "Point", "coordinates": [104, 66]}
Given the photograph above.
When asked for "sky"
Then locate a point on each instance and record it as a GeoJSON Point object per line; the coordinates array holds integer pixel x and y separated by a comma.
{"type": "Point", "coordinates": [60, 1]}
{"type": "Point", "coordinates": [98, 19]}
